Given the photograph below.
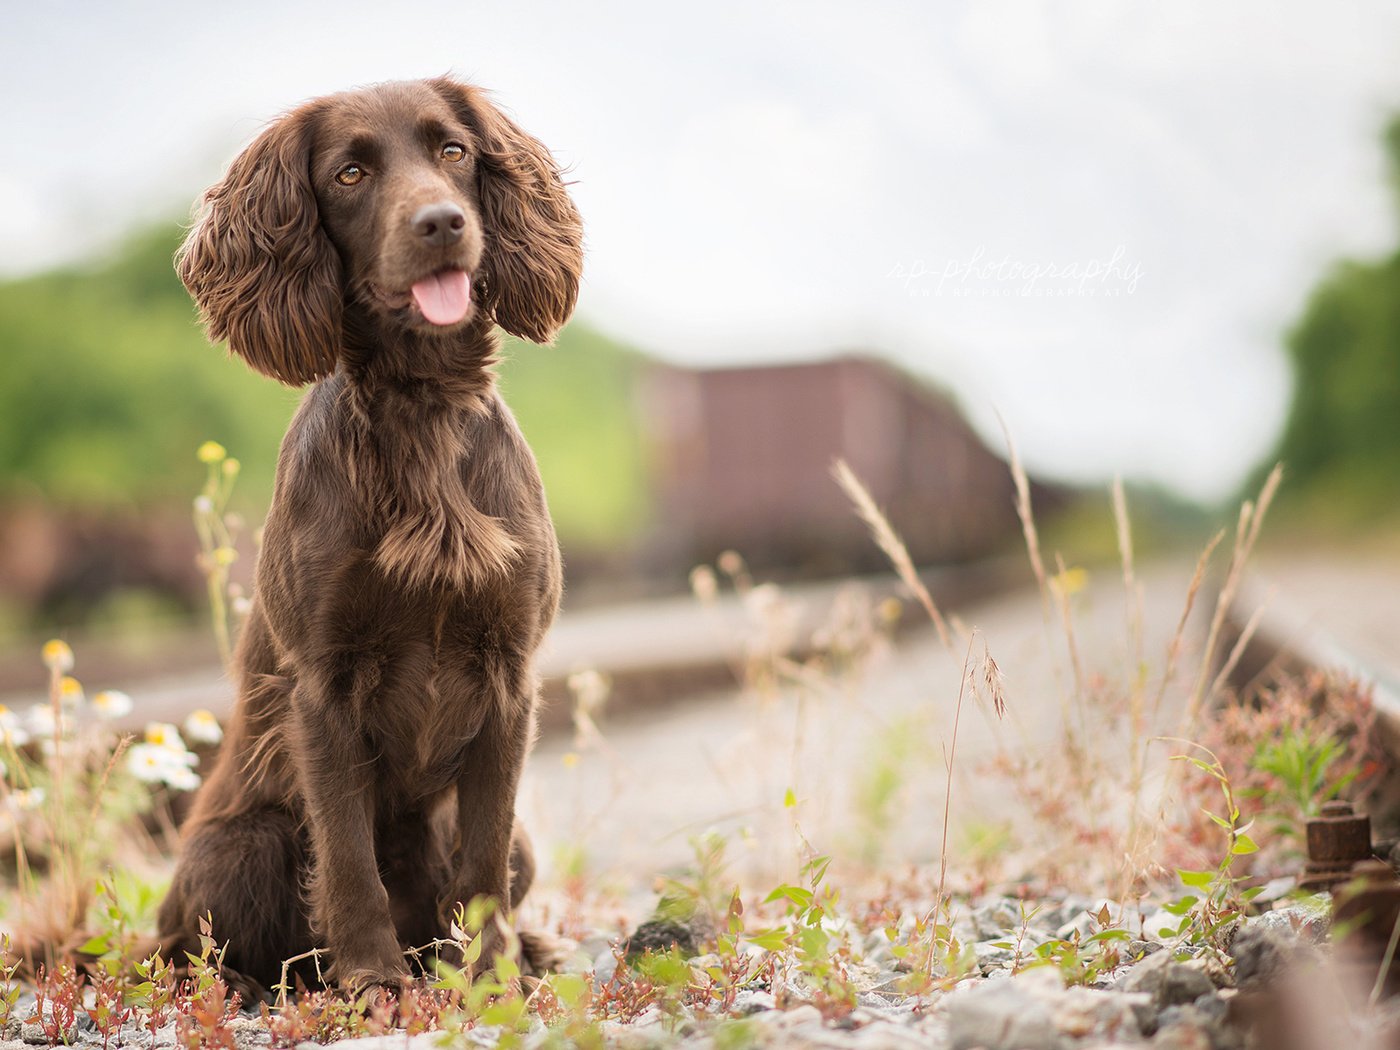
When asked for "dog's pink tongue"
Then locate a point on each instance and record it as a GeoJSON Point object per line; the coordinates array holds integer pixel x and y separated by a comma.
{"type": "Point", "coordinates": [444, 297]}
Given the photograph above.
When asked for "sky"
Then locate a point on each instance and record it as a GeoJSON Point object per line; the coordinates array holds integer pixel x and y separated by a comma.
{"type": "Point", "coordinates": [1094, 219]}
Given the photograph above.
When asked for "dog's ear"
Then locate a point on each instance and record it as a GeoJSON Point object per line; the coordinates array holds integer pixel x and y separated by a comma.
{"type": "Point", "coordinates": [264, 274]}
{"type": "Point", "coordinates": [534, 239]}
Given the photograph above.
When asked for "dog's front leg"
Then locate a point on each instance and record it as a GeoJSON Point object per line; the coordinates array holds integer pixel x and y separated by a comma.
{"type": "Point", "coordinates": [486, 791]}
{"type": "Point", "coordinates": [349, 904]}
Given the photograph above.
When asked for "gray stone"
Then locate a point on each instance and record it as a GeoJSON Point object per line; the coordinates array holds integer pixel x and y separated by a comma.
{"type": "Point", "coordinates": [1311, 924]}
{"type": "Point", "coordinates": [425, 1041]}
{"type": "Point", "coordinates": [626, 1037]}
{"type": "Point", "coordinates": [991, 956]}
{"type": "Point", "coordinates": [1084, 1013]}
{"type": "Point", "coordinates": [753, 1002]}
{"type": "Point", "coordinates": [1000, 1015]}
{"type": "Point", "coordinates": [806, 1014]}
{"type": "Point", "coordinates": [888, 982]}
{"type": "Point", "coordinates": [1263, 955]}
{"type": "Point", "coordinates": [1136, 950]}
{"type": "Point", "coordinates": [1067, 910]}
{"type": "Point", "coordinates": [604, 967]}
{"type": "Point", "coordinates": [1182, 1035]}
{"type": "Point", "coordinates": [997, 919]}
{"type": "Point", "coordinates": [1199, 1024]}
{"type": "Point", "coordinates": [1170, 983]}
{"type": "Point", "coordinates": [249, 1033]}
{"type": "Point", "coordinates": [595, 942]}
{"type": "Point", "coordinates": [883, 1035]}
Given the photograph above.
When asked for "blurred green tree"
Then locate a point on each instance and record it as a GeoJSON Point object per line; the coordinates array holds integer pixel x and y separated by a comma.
{"type": "Point", "coordinates": [1341, 443]}
{"type": "Point", "coordinates": [108, 386]}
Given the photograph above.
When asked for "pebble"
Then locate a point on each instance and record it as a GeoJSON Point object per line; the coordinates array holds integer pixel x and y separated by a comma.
{"type": "Point", "coordinates": [1197, 1025]}
{"type": "Point", "coordinates": [1000, 1015]}
{"type": "Point", "coordinates": [1168, 982]}
{"type": "Point", "coordinates": [755, 1001]}
{"type": "Point", "coordinates": [998, 918]}
{"type": "Point", "coordinates": [1311, 924]}
{"type": "Point", "coordinates": [1263, 955]}
{"type": "Point", "coordinates": [426, 1041]}
{"type": "Point", "coordinates": [991, 955]}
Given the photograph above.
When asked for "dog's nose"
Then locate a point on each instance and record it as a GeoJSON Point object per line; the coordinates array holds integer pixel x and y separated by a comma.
{"type": "Point", "coordinates": [439, 224]}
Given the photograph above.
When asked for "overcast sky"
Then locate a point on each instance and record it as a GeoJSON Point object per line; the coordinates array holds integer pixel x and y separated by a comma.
{"type": "Point", "coordinates": [1092, 216]}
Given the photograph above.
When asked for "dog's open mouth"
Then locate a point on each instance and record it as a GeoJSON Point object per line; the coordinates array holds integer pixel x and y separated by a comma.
{"type": "Point", "coordinates": [443, 298]}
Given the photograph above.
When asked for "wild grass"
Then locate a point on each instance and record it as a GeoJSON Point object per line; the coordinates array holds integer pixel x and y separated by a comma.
{"type": "Point", "coordinates": [784, 904]}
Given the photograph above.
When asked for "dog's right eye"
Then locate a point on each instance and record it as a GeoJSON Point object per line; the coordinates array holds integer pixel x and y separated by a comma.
{"type": "Point", "coordinates": [349, 175]}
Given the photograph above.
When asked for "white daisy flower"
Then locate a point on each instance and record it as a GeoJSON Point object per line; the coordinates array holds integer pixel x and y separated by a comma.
{"type": "Point", "coordinates": [182, 778]}
{"type": "Point", "coordinates": [148, 762]}
{"type": "Point", "coordinates": [41, 723]}
{"type": "Point", "coordinates": [155, 764]}
{"type": "Point", "coordinates": [58, 656]}
{"type": "Point", "coordinates": [163, 734]}
{"type": "Point", "coordinates": [112, 703]}
{"type": "Point", "coordinates": [27, 798]}
{"type": "Point", "coordinates": [12, 730]}
{"type": "Point", "coordinates": [203, 728]}
{"type": "Point", "coordinates": [70, 691]}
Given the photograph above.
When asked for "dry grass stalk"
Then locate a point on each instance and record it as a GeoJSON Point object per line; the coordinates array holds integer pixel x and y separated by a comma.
{"type": "Point", "coordinates": [1179, 637]}
{"type": "Point", "coordinates": [1031, 535]}
{"type": "Point", "coordinates": [992, 679]}
{"type": "Point", "coordinates": [1237, 651]}
{"type": "Point", "coordinates": [1062, 592]}
{"type": "Point", "coordinates": [1131, 590]}
{"type": "Point", "coordinates": [1025, 513]}
{"type": "Point", "coordinates": [1251, 519]}
{"type": "Point", "coordinates": [888, 541]}
{"type": "Point", "coordinates": [949, 758]}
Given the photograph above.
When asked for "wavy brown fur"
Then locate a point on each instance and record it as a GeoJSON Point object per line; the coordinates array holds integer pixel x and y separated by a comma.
{"type": "Point", "coordinates": [409, 569]}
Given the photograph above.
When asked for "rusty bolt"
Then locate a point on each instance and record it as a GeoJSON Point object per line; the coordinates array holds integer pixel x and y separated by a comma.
{"type": "Point", "coordinates": [1337, 838]}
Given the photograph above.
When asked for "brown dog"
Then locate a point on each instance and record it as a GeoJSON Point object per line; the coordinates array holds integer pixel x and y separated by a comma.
{"type": "Point", "coordinates": [369, 242]}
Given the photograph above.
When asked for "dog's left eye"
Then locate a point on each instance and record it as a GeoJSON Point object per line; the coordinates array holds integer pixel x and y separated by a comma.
{"type": "Point", "coordinates": [454, 152]}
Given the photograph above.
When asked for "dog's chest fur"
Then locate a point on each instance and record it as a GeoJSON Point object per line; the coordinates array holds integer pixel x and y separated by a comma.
{"type": "Point", "coordinates": [449, 582]}
{"type": "Point", "coordinates": [412, 480]}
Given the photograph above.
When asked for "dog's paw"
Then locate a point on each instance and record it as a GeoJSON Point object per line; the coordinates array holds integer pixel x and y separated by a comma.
{"type": "Point", "coordinates": [376, 983]}
{"type": "Point", "coordinates": [250, 991]}
{"type": "Point", "coordinates": [542, 953]}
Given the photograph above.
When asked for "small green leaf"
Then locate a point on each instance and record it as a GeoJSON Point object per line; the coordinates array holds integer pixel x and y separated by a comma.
{"type": "Point", "coordinates": [774, 940]}
{"type": "Point", "coordinates": [1109, 935]}
{"type": "Point", "coordinates": [1198, 879]}
{"type": "Point", "coordinates": [797, 894]}
{"type": "Point", "coordinates": [1243, 844]}
{"type": "Point", "coordinates": [472, 953]}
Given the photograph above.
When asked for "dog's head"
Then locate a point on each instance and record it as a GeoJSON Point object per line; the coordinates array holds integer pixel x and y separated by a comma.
{"type": "Point", "coordinates": [419, 204]}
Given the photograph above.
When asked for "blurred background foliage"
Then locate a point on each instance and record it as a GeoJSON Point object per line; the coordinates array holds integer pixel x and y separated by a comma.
{"type": "Point", "coordinates": [1341, 443]}
{"type": "Point", "coordinates": [109, 386]}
